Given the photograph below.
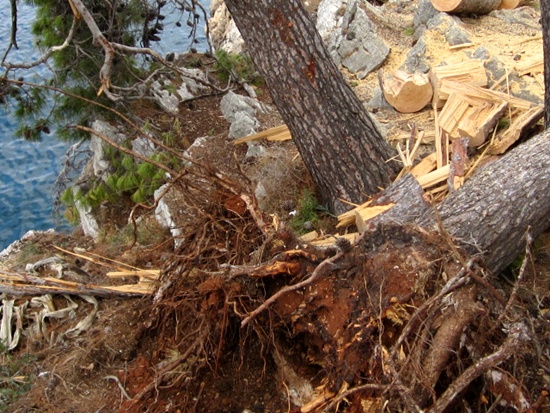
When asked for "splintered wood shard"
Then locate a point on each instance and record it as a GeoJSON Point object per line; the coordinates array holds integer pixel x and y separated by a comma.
{"type": "Point", "coordinates": [473, 112]}
{"type": "Point", "coordinates": [521, 123]}
{"type": "Point", "coordinates": [278, 133]}
{"type": "Point", "coordinates": [471, 72]}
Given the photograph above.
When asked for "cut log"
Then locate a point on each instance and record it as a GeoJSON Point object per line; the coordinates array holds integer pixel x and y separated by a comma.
{"type": "Point", "coordinates": [471, 72]}
{"type": "Point", "coordinates": [511, 4]}
{"type": "Point", "coordinates": [466, 6]}
{"type": "Point", "coordinates": [406, 93]}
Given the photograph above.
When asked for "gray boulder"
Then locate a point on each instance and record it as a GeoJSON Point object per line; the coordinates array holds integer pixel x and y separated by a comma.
{"type": "Point", "coordinates": [424, 12]}
{"type": "Point", "coordinates": [330, 16]}
{"type": "Point", "coordinates": [525, 16]}
{"type": "Point", "coordinates": [350, 36]}
{"type": "Point", "coordinates": [240, 111]}
{"type": "Point", "coordinates": [416, 59]}
{"type": "Point", "coordinates": [450, 27]}
{"type": "Point", "coordinates": [167, 101]}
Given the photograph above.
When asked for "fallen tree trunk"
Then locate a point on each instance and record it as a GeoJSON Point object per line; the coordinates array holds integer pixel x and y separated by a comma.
{"type": "Point", "coordinates": [490, 214]}
{"type": "Point", "coordinates": [406, 316]}
{"type": "Point", "coordinates": [361, 297]}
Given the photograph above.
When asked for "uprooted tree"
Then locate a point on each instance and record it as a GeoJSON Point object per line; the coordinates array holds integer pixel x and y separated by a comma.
{"type": "Point", "coordinates": [337, 138]}
{"type": "Point", "coordinates": [406, 318]}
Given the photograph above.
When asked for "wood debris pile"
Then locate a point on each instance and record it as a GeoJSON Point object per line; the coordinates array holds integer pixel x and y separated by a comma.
{"type": "Point", "coordinates": [472, 124]}
{"type": "Point", "coordinates": [35, 282]}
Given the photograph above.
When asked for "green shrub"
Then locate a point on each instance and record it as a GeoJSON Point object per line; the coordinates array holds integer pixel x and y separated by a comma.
{"type": "Point", "coordinates": [238, 67]}
{"type": "Point", "coordinates": [129, 179]}
{"type": "Point", "coordinates": [13, 383]}
{"type": "Point", "coordinates": [307, 211]}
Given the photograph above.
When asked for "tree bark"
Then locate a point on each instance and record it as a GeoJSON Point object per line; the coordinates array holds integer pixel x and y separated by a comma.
{"type": "Point", "coordinates": [545, 21]}
{"type": "Point", "coordinates": [491, 212]}
{"type": "Point", "coordinates": [338, 140]}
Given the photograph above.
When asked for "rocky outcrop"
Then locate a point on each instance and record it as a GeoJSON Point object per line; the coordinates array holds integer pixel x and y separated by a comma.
{"type": "Point", "coordinates": [351, 36]}
{"type": "Point", "coordinates": [169, 97]}
{"type": "Point", "coordinates": [525, 16]}
{"type": "Point", "coordinates": [163, 214]}
{"type": "Point", "coordinates": [99, 166]}
{"type": "Point", "coordinates": [223, 31]}
{"type": "Point", "coordinates": [99, 161]}
{"type": "Point", "coordinates": [344, 26]}
{"type": "Point", "coordinates": [240, 111]}
{"type": "Point", "coordinates": [88, 221]}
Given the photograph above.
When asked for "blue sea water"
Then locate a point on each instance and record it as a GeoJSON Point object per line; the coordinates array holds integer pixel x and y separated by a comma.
{"type": "Point", "coordinates": [28, 170]}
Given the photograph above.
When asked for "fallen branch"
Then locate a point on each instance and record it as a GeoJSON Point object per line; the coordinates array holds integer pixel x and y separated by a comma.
{"type": "Point", "coordinates": [25, 284]}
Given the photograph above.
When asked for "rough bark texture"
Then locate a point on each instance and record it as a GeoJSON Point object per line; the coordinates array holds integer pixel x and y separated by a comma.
{"type": "Point", "coordinates": [338, 140]}
{"type": "Point", "coordinates": [493, 210]}
{"type": "Point", "coordinates": [491, 213]}
{"type": "Point", "coordinates": [545, 20]}
{"type": "Point", "coordinates": [466, 6]}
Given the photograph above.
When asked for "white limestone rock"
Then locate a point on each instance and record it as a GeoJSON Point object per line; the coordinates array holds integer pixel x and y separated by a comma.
{"type": "Point", "coordinates": [163, 215]}
{"type": "Point", "coordinates": [350, 36]}
{"type": "Point", "coordinates": [223, 31]}
{"type": "Point", "coordinates": [241, 112]}
{"type": "Point", "coordinates": [100, 162]}
{"type": "Point", "coordinates": [88, 221]}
